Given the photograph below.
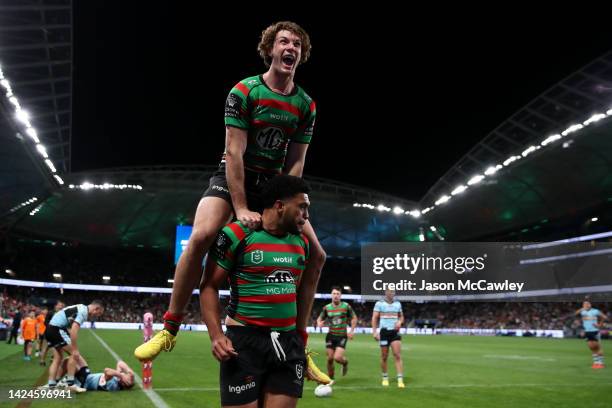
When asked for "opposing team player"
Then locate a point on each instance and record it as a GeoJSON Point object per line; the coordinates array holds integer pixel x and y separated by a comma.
{"type": "Point", "coordinates": [389, 317]}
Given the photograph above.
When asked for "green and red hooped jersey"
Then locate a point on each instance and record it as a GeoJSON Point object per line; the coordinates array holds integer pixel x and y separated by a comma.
{"type": "Point", "coordinates": [272, 121]}
{"type": "Point", "coordinates": [339, 317]}
{"type": "Point", "coordinates": [264, 271]}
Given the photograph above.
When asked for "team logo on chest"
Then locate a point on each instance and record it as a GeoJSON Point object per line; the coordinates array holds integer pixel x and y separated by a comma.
{"type": "Point", "coordinates": [280, 276]}
{"type": "Point", "coordinates": [270, 138]}
{"type": "Point", "coordinates": [257, 256]}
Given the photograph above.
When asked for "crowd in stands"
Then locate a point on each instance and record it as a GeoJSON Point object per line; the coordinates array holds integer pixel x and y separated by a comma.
{"type": "Point", "coordinates": [130, 307]}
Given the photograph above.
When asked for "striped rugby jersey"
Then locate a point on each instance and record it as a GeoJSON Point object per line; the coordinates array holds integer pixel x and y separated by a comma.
{"type": "Point", "coordinates": [264, 271]}
{"type": "Point", "coordinates": [272, 121]}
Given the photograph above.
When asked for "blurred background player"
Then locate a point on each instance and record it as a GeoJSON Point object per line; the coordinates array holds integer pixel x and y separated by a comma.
{"type": "Point", "coordinates": [592, 320]}
{"type": "Point", "coordinates": [337, 313]}
{"type": "Point", "coordinates": [147, 326]}
{"type": "Point", "coordinates": [389, 313]}
{"type": "Point", "coordinates": [147, 365]}
{"type": "Point", "coordinates": [62, 334]}
{"type": "Point", "coordinates": [45, 345]}
{"type": "Point", "coordinates": [15, 325]}
{"type": "Point", "coordinates": [29, 334]}
{"type": "Point", "coordinates": [111, 379]}
{"type": "Point", "coordinates": [41, 327]}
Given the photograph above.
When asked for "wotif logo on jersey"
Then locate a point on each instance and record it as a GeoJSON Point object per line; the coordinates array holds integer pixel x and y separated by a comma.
{"type": "Point", "coordinates": [257, 256]}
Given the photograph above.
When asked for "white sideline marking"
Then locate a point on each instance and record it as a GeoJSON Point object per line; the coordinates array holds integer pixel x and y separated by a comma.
{"type": "Point", "coordinates": [517, 357]}
{"type": "Point", "coordinates": [408, 386]}
{"type": "Point", "coordinates": [153, 396]}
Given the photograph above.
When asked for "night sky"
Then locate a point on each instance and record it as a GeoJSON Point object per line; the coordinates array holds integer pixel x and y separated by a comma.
{"type": "Point", "coordinates": [400, 97]}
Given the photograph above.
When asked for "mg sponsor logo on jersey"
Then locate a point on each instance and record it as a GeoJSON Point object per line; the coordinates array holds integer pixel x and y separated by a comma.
{"type": "Point", "coordinates": [270, 138]}
{"type": "Point", "coordinates": [257, 256]}
{"type": "Point", "coordinates": [280, 276]}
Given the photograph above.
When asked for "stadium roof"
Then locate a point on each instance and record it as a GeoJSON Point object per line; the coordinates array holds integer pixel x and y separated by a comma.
{"type": "Point", "coordinates": [36, 55]}
{"type": "Point", "coordinates": [563, 174]}
{"type": "Point", "coordinates": [142, 206]}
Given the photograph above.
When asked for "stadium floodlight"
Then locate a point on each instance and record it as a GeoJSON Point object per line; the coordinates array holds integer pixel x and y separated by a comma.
{"type": "Point", "coordinates": [106, 278]}
{"type": "Point", "coordinates": [5, 84]}
{"type": "Point", "coordinates": [14, 101]}
{"type": "Point", "coordinates": [32, 133]}
{"type": "Point", "coordinates": [421, 235]}
{"type": "Point", "coordinates": [8, 271]}
{"type": "Point", "coordinates": [426, 210]}
{"type": "Point", "coordinates": [459, 189]}
{"type": "Point", "coordinates": [493, 169]}
{"type": "Point", "coordinates": [50, 165]}
{"type": "Point", "coordinates": [594, 219]}
{"type": "Point", "coordinates": [595, 118]}
{"type": "Point", "coordinates": [170, 280]}
{"type": "Point", "coordinates": [415, 213]}
{"type": "Point", "coordinates": [23, 117]}
{"type": "Point", "coordinates": [609, 113]}
{"type": "Point", "coordinates": [475, 180]}
{"type": "Point", "coordinates": [398, 210]}
{"type": "Point", "coordinates": [59, 179]}
{"type": "Point", "coordinates": [550, 139]}
{"type": "Point", "coordinates": [572, 129]}
{"type": "Point", "coordinates": [442, 199]}
{"type": "Point", "coordinates": [433, 228]}
{"type": "Point", "coordinates": [57, 275]}
{"type": "Point", "coordinates": [41, 149]}
{"type": "Point", "coordinates": [346, 287]}
{"type": "Point", "coordinates": [356, 205]}
{"type": "Point", "coordinates": [529, 150]}
{"type": "Point", "coordinates": [87, 186]}
{"type": "Point", "coordinates": [511, 160]}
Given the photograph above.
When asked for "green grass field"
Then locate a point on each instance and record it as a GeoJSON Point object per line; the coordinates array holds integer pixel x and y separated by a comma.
{"type": "Point", "coordinates": [449, 371]}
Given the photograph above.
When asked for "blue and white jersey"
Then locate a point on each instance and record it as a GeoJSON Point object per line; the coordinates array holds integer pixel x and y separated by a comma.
{"type": "Point", "coordinates": [68, 315]}
{"type": "Point", "coordinates": [96, 382]}
{"type": "Point", "coordinates": [390, 313]}
{"type": "Point", "coordinates": [589, 318]}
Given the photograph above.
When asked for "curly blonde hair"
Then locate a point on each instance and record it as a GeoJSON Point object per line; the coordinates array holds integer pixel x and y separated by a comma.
{"type": "Point", "coordinates": [269, 35]}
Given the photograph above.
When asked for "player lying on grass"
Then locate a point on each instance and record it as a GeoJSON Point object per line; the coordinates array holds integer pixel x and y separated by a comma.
{"type": "Point", "coordinates": [111, 379]}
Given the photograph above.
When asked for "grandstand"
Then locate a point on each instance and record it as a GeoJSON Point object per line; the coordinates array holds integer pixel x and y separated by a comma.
{"type": "Point", "coordinates": [543, 175]}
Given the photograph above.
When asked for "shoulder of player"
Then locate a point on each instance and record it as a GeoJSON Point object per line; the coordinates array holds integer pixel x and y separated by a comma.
{"type": "Point", "coordinates": [308, 101]}
{"type": "Point", "coordinates": [248, 85]}
{"type": "Point", "coordinates": [237, 230]}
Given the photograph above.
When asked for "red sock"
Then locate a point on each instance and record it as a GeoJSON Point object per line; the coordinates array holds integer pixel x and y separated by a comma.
{"type": "Point", "coordinates": [172, 322]}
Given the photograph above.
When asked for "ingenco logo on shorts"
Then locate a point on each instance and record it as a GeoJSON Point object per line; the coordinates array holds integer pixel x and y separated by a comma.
{"type": "Point", "coordinates": [237, 389]}
{"type": "Point", "coordinates": [270, 138]}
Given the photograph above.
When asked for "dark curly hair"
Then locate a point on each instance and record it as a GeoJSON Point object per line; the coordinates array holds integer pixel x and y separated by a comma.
{"type": "Point", "coordinates": [269, 35]}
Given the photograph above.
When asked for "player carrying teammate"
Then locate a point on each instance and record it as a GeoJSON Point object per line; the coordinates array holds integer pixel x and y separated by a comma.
{"type": "Point", "coordinates": [262, 356]}
{"type": "Point", "coordinates": [269, 124]}
{"type": "Point", "coordinates": [592, 320]}
{"type": "Point", "coordinates": [389, 312]}
{"type": "Point", "coordinates": [338, 313]}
